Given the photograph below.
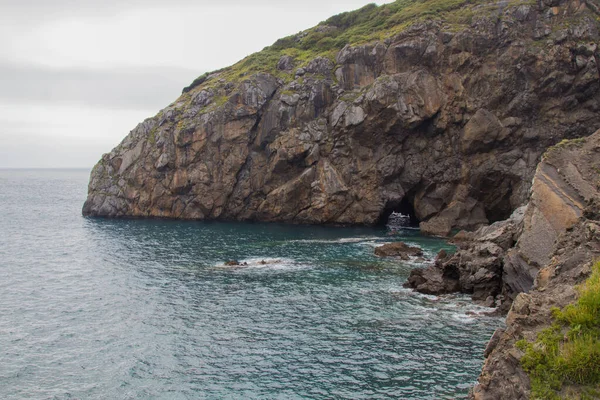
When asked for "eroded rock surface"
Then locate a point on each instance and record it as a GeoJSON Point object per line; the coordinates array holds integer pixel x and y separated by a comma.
{"type": "Point", "coordinates": [454, 122]}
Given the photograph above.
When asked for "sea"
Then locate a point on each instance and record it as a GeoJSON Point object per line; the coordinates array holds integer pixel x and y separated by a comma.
{"type": "Point", "coordinates": [147, 309]}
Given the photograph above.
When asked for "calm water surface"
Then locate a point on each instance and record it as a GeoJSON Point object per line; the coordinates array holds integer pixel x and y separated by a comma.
{"type": "Point", "coordinates": [98, 309]}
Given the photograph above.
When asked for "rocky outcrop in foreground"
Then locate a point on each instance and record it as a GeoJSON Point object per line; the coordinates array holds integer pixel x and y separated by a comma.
{"type": "Point", "coordinates": [556, 250]}
{"type": "Point", "coordinates": [533, 261]}
{"type": "Point", "coordinates": [445, 120]}
{"type": "Point", "coordinates": [477, 267]}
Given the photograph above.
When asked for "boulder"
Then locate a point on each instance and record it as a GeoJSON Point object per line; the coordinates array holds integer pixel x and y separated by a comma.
{"type": "Point", "coordinates": [432, 281]}
{"type": "Point", "coordinates": [483, 130]}
{"type": "Point", "coordinates": [437, 226]}
{"type": "Point", "coordinates": [285, 63]}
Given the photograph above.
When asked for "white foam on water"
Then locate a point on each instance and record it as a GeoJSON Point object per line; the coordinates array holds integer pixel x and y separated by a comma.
{"type": "Point", "coordinates": [464, 318]}
{"type": "Point", "coordinates": [459, 308]}
{"type": "Point", "coordinates": [410, 292]}
{"type": "Point", "coordinates": [465, 311]}
{"type": "Point", "coordinates": [266, 263]}
{"type": "Point", "coordinates": [370, 243]}
{"type": "Point", "coordinates": [415, 262]}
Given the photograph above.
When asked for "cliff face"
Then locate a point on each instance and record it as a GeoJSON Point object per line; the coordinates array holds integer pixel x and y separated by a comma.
{"type": "Point", "coordinates": [443, 119]}
{"type": "Point", "coordinates": [564, 214]}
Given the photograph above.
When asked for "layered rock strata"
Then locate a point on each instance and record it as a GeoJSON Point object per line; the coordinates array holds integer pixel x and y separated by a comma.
{"type": "Point", "coordinates": [443, 122]}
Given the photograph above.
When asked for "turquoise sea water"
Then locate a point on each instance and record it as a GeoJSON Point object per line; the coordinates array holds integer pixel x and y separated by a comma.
{"type": "Point", "coordinates": [100, 309]}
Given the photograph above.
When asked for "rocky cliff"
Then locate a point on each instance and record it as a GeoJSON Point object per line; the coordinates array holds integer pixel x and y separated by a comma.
{"type": "Point", "coordinates": [532, 261]}
{"type": "Point", "coordinates": [557, 246]}
{"type": "Point", "coordinates": [437, 108]}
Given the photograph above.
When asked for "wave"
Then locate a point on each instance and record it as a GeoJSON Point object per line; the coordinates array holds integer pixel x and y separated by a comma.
{"type": "Point", "coordinates": [338, 241]}
{"type": "Point", "coordinates": [459, 307]}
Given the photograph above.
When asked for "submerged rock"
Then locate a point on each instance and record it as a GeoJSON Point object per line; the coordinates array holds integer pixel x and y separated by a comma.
{"type": "Point", "coordinates": [235, 263]}
{"type": "Point", "coordinates": [398, 249]}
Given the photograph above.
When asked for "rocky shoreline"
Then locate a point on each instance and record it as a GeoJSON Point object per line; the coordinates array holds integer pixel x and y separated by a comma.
{"type": "Point", "coordinates": [477, 267]}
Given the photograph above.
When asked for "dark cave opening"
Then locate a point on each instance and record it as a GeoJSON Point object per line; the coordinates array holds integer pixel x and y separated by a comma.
{"type": "Point", "coordinates": [496, 196]}
{"type": "Point", "coordinates": [499, 213]}
{"type": "Point", "coordinates": [451, 272]}
{"type": "Point", "coordinates": [404, 207]}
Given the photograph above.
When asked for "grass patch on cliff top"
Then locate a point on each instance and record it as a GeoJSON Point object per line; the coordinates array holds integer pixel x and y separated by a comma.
{"type": "Point", "coordinates": [368, 24]}
{"type": "Point", "coordinates": [564, 361]}
{"type": "Point", "coordinates": [563, 144]}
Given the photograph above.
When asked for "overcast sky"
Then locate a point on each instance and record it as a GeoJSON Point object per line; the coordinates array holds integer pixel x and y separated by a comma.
{"type": "Point", "coordinates": [77, 75]}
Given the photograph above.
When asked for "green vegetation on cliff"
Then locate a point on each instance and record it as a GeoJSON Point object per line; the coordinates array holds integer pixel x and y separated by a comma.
{"type": "Point", "coordinates": [368, 24]}
{"type": "Point", "coordinates": [564, 361]}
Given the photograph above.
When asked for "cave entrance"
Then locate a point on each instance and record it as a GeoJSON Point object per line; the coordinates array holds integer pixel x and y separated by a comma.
{"type": "Point", "coordinates": [399, 214]}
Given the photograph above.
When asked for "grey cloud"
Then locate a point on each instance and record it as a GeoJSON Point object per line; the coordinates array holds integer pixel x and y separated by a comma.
{"type": "Point", "coordinates": [120, 4]}
{"type": "Point", "coordinates": [147, 88]}
{"type": "Point", "coordinates": [53, 8]}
